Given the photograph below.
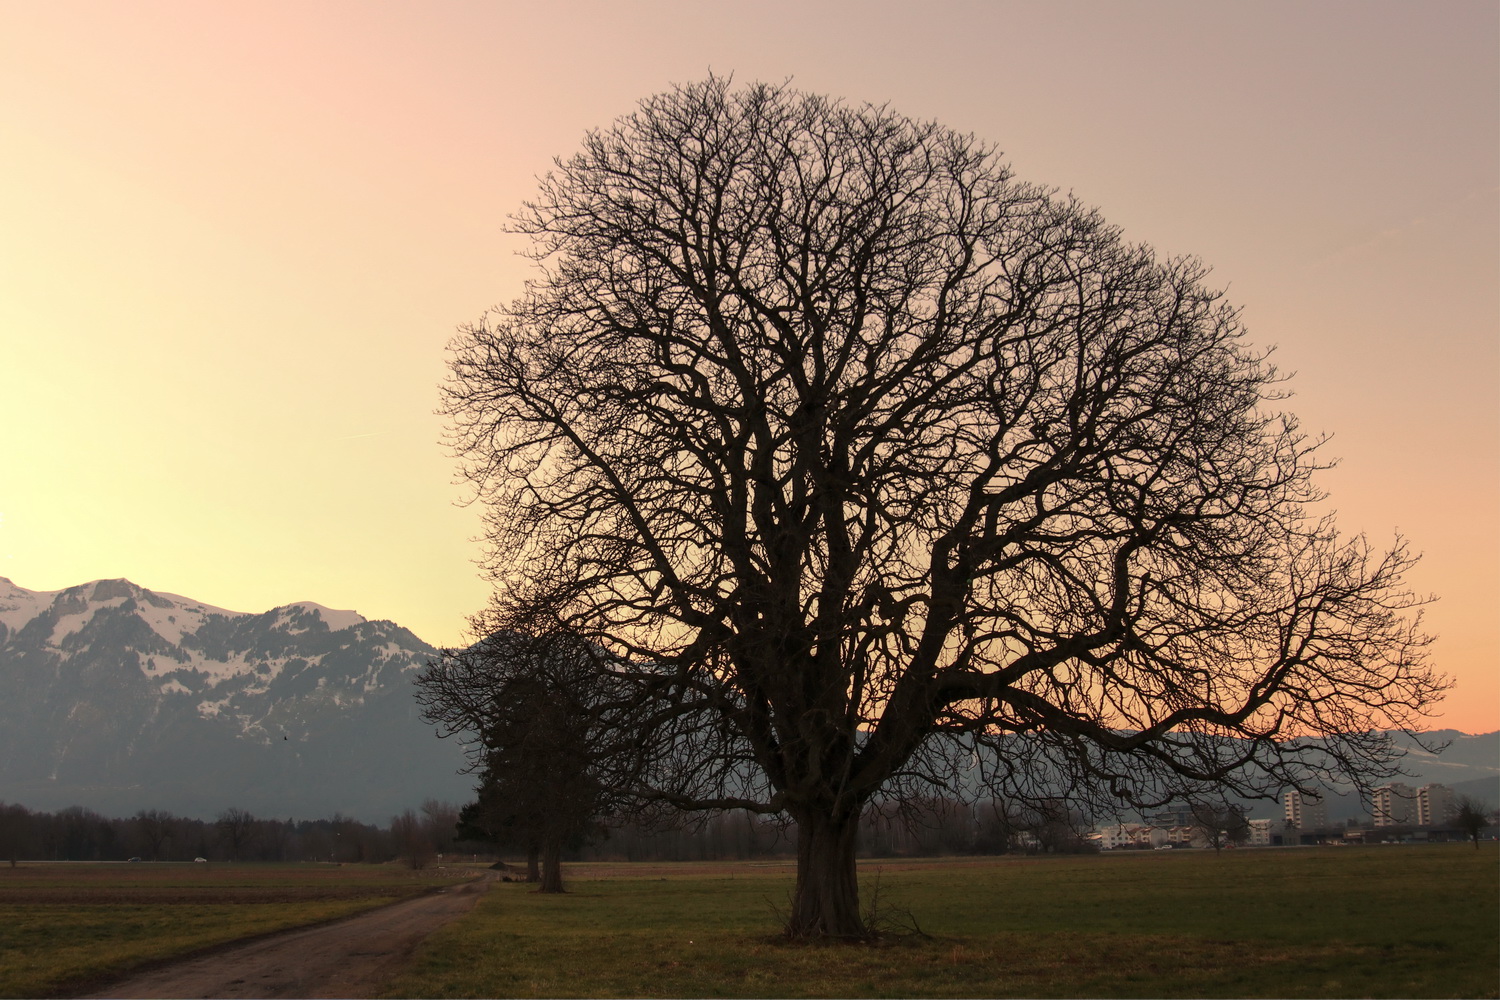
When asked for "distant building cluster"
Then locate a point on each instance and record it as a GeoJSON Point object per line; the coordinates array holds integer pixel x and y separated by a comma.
{"type": "Point", "coordinates": [1304, 820]}
{"type": "Point", "coordinates": [1395, 805]}
{"type": "Point", "coordinates": [1304, 812]}
{"type": "Point", "coordinates": [1158, 836]}
{"type": "Point", "coordinates": [1178, 828]}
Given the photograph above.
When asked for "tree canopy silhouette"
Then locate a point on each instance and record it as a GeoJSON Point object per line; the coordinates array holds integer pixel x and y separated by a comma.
{"type": "Point", "coordinates": [881, 467]}
{"type": "Point", "coordinates": [546, 736]}
{"type": "Point", "coordinates": [1471, 816]}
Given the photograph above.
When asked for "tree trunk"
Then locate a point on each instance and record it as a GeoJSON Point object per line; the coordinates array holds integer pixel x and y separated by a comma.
{"type": "Point", "coordinates": [533, 865]}
{"type": "Point", "coordinates": [826, 903]}
{"type": "Point", "coordinates": [551, 866]}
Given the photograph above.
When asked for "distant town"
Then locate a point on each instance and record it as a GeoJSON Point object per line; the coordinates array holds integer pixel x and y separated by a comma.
{"type": "Point", "coordinates": [1398, 813]}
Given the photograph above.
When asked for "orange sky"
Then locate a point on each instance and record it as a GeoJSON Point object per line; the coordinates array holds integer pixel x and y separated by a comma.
{"type": "Point", "coordinates": [235, 238]}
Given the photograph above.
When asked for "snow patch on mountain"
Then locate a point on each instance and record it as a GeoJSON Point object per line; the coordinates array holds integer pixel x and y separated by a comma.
{"type": "Point", "coordinates": [336, 620]}
{"type": "Point", "coordinates": [215, 670]}
{"type": "Point", "coordinates": [18, 605]}
{"type": "Point", "coordinates": [69, 625]}
{"type": "Point", "coordinates": [170, 616]}
{"type": "Point", "coordinates": [177, 616]}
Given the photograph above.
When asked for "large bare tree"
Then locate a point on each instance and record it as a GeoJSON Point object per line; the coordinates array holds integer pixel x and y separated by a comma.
{"type": "Point", "coordinates": [884, 467]}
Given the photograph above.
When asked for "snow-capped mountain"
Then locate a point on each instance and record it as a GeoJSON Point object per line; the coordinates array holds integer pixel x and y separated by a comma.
{"type": "Point", "coordinates": [120, 698]}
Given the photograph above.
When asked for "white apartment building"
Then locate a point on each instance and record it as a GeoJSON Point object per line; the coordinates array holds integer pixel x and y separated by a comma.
{"type": "Point", "coordinates": [1185, 836]}
{"type": "Point", "coordinates": [1130, 835]}
{"type": "Point", "coordinates": [1435, 806]}
{"type": "Point", "coordinates": [1305, 812]}
{"type": "Point", "coordinates": [1394, 805]}
{"type": "Point", "coordinates": [1260, 833]}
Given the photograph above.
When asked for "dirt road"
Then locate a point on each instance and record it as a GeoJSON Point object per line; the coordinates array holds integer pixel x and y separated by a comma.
{"type": "Point", "coordinates": [355, 957]}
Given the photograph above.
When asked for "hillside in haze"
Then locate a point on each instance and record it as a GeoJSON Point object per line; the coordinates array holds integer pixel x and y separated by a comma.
{"type": "Point", "coordinates": [120, 698]}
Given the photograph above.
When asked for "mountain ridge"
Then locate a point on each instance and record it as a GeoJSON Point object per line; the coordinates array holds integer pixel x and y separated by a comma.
{"type": "Point", "coordinates": [116, 696]}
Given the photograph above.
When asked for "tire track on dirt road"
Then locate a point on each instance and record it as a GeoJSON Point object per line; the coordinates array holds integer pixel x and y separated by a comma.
{"type": "Point", "coordinates": [353, 957]}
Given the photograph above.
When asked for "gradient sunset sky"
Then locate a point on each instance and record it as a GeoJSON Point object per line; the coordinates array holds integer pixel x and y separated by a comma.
{"type": "Point", "coordinates": [235, 239]}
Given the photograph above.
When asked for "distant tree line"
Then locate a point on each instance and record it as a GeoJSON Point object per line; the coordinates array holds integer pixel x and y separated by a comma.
{"type": "Point", "coordinates": [912, 827]}
{"type": "Point", "coordinates": [417, 837]}
{"type": "Point", "coordinates": [80, 834]}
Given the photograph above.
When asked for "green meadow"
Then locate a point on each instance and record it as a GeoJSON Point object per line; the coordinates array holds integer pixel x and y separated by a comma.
{"type": "Point", "coordinates": [69, 927]}
{"type": "Point", "coordinates": [1379, 921]}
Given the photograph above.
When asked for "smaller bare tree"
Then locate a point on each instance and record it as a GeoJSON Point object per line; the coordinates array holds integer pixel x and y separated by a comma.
{"type": "Point", "coordinates": [236, 830]}
{"type": "Point", "coordinates": [440, 819]}
{"type": "Point", "coordinates": [1055, 826]}
{"type": "Point", "coordinates": [508, 816]}
{"type": "Point", "coordinates": [556, 745]}
{"type": "Point", "coordinates": [412, 842]}
{"type": "Point", "coordinates": [154, 827]}
{"type": "Point", "coordinates": [1220, 824]}
{"type": "Point", "coordinates": [482, 821]}
{"type": "Point", "coordinates": [1471, 816]}
{"type": "Point", "coordinates": [16, 829]}
{"type": "Point", "coordinates": [997, 827]}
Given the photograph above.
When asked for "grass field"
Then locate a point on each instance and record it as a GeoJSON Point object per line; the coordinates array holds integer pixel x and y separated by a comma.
{"type": "Point", "coordinates": [64, 926]}
{"type": "Point", "coordinates": [1416, 921]}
